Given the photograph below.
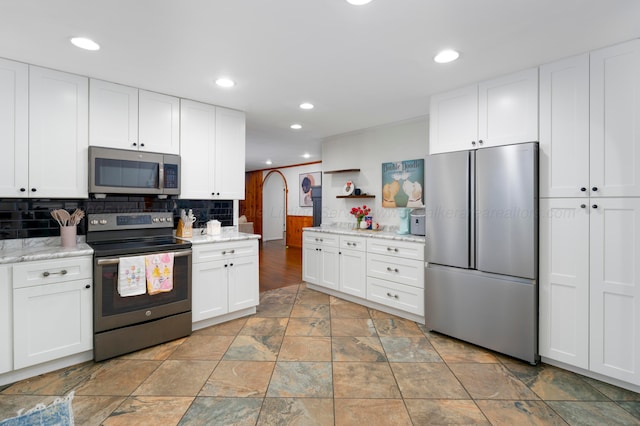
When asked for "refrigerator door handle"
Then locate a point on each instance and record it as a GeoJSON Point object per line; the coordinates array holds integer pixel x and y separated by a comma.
{"type": "Point", "coordinates": [472, 210]}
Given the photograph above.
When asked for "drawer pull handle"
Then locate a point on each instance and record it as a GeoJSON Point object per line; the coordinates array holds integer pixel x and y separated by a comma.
{"type": "Point", "coordinates": [47, 273]}
{"type": "Point", "coordinates": [395, 296]}
{"type": "Point", "coordinates": [392, 249]}
{"type": "Point", "coordinates": [228, 252]}
{"type": "Point", "coordinates": [392, 269]}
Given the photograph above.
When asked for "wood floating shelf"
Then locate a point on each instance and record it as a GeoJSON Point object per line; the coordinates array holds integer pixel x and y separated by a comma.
{"type": "Point", "coordinates": [356, 196]}
{"type": "Point", "coordinates": [329, 172]}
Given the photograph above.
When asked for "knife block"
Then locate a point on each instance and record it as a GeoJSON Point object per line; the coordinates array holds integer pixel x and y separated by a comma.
{"type": "Point", "coordinates": [184, 230]}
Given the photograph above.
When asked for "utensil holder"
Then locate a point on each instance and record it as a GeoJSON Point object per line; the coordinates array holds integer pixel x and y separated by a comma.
{"type": "Point", "coordinates": [68, 236]}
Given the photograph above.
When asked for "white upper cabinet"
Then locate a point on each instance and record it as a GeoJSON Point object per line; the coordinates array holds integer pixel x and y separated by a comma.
{"type": "Point", "coordinates": [159, 122]}
{"type": "Point", "coordinates": [564, 128]}
{"type": "Point", "coordinates": [500, 111]}
{"type": "Point", "coordinates": [58, 134]}
{"type": "Point", "coordinates": [508, 109]}
{"type": "Point", "coordinates": [113, 121]}
{"type": "Point", "coordinates": [590, 124]}
{"type": "Point", "coordinates": [14, 128]}
{"type": "Point", "coordinates": [197, 149]}
{"type": "Point", "coordinates": [212, 148]}
{"type": "Point", "coordinates": [615, 120]}
{"type": "Point", "coordinates": [129, 118]}
{"type": "Point", "coordinates": [230, 154]}
{"type": "Point", "coordinates": [453, 122]}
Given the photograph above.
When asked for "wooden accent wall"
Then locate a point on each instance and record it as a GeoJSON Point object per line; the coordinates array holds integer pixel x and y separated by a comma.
{"type": "Point", "coordinates": [294, 229]}
{"type": "Point", "coordinates": [251, 206]}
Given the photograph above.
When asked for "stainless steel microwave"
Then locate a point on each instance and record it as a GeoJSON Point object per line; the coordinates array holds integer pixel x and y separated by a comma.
{"type": "Point", "coordinates": [121, 171]}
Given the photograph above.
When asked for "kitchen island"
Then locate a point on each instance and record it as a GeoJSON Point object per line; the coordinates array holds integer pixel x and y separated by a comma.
{"type": "Point", "coordinates": [379, 269]}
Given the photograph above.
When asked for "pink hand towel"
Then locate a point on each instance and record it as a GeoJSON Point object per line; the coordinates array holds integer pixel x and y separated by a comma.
{"type": "Point", "coordinates": [159, 272]}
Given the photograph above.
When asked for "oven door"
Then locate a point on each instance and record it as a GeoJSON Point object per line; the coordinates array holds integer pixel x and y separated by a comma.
{"type": "Point", "coordinates": [112, 311]}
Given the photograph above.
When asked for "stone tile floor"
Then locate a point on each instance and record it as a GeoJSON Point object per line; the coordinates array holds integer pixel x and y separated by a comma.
{"type": "Point", "coordinates": [306, 358]}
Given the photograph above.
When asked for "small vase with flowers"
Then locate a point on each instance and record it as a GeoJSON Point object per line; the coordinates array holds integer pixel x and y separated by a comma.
{"type": "Point", "coordinates": [360, 213]}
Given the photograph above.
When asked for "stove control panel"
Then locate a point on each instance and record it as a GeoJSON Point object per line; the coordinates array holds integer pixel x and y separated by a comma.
{"type": "Point", "coordinates": [116, 221]}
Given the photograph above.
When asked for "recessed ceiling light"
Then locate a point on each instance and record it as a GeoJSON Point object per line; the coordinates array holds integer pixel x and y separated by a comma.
{"type": "Point", "coordinates": [445, 56]}
{"type": "Point", "coordinates": [85, 43]}
{"type": "Point", "coordinates": [225, 82]}
{"type": "Point", "coordinates": [358, 2]}
{"type": "Point", "coordinates": [306, 105]}
{"type": "Point", "coordinates": [296, 126]}
{"type": "Point", "coordinates": [306, 155]}
{"type": "Point", "coordinates": [268, 162]}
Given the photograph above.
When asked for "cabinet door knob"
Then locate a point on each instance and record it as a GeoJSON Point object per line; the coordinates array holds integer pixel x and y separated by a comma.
{"type": "Point", "coordinates": [134, 144]}
{"type": "Point", "coordinates": [480, 142]}
{"type": "Point", "coordinates": [595, 206]}
{"type": "Point", "coordinates": [583, 206]}
{"type": "Point", "coordinates": [22, 189]}
{"type": "Point", "coordinates": [33, 190]}
{"type": "Point", "coordinates": [87, 286]}
{"type": "Point", "coordinates": [142, 145]}
{"type": "Point", "coordinates": [594, 189]}
{"type": "Point", "coordinates": [583, 189]}
{"type": "Point", "coordinates": [473, 143]}
{"type": "Point", "coordinates": [231, 264]}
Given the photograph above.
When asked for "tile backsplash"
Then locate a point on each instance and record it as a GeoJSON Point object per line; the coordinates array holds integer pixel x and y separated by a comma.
{"type": "Point", "coordinates": [30, 218]}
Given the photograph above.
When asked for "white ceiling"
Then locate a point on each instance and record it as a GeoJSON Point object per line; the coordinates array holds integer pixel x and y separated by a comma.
{"type": "Point", "coordinates": [361, 66]}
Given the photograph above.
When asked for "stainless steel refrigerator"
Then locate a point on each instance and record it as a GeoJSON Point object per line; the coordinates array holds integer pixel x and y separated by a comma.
{"type": "Point", "coordinates": [482, 247]}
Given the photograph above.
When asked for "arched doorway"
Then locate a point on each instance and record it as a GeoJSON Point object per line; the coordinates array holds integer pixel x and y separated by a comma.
{"type": "Point", "coordinates": [274, 207]}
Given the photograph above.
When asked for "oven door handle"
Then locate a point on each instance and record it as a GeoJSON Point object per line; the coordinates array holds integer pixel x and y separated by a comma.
{"type": "Point", "coordinates": [116, 260]}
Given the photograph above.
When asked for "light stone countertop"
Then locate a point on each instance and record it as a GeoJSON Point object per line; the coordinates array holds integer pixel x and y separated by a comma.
{"type": "Point", "coordinates": [227, 234]}
{"type": "Point", "coordinates": [385, 235]}
{"type": "Point", "coordinates": [34, 249]}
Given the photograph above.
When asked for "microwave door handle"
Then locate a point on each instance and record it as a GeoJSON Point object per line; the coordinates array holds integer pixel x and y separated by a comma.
{"type": "Point", "coordinates": [161, 177]}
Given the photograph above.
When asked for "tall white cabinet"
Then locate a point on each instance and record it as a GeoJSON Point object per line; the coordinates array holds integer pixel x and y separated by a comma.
{"type": "Point", "coordinates": [590, 211]}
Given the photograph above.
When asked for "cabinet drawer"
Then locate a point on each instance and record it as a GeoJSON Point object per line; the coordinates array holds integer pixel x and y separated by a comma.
{"type": "Point", "coordinates": [219, 251]}
{"type": "Point", "coordinates": [353, 243]}
{"type": "Point", "coordinates": [52, 271]}
{"type": "Point", "coordinates": [330, 240]}
{"type": "Point", "coordinates": [404, 249]}
{"type": "Point", "coordinates": [405, 271]}
{"type": "Point", "coordinates": [399, 296]}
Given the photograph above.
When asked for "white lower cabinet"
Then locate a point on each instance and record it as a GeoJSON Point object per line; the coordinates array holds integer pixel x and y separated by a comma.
{"type": "Point", "coordinates": [396, 278]}
{"type": "Point", "coordinates": [52, 310]}
{"type": "Point", "coordinates": [320, 259]}
{"type": "Point", "coordinates": [353, 265]}
{"type": "Point", "coordinates": [6, 320]}
{"type": "Point", "coordinates": [564, 280]}
{"type": "Point", "coordinates": [387, 273]}
{"type": "Point", "coordinates": [209, 290]}
{"type": "Point", "coordinates": [590, 284]}
{"type": "Point", "coordinates": [614, 273]}
{"type": "Point", "coordinates": [225, 278]}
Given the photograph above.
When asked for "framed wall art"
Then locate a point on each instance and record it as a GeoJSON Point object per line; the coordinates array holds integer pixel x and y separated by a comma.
{"type": "Point", "coordinates": [307, 180]}
{"type": "Point", "coordinates": [402, 183]}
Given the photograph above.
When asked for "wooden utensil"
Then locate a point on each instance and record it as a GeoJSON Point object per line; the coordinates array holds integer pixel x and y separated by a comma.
{"type": "Point", "coordinates": [64, 217]}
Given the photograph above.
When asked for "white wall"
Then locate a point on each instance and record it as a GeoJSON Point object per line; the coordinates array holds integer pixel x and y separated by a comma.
{"type": "Point", "coordinates": [367, 150]}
